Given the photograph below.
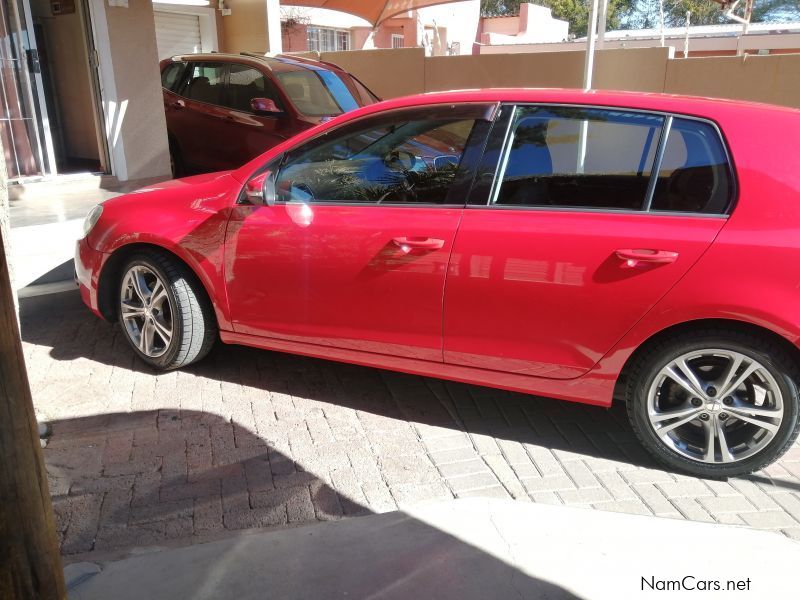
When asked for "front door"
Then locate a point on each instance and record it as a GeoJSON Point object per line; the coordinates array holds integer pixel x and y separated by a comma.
{"type": "Point", "coordinates": [354, 252]}
{"type": "Point", "coordinates": [574, 240]}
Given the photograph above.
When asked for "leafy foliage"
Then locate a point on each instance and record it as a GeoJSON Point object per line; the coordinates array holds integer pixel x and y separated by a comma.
{"type": "Point", "coordinates": [636, 14]}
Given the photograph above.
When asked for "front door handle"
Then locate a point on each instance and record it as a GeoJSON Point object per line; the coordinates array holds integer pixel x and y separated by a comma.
{"type": "Point", "coordinates": [635, 257]}
{"type": "Point", "coordinates": [407, 244]}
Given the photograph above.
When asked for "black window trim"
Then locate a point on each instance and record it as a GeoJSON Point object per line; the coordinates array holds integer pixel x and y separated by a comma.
{"type": "Point", "coordinates": [484, 201]}
{"type": "Point", "coordinates": [488, 114]}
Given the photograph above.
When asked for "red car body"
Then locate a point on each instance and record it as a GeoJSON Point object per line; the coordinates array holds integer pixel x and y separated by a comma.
{"type": "Point", "coordinates": [538, 301]}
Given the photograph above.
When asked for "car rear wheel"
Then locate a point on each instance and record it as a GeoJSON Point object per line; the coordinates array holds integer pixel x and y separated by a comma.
{"type": "Point", "coordinates": [715, 404]}
{"type": "Point", "coordinates": [164, 312]}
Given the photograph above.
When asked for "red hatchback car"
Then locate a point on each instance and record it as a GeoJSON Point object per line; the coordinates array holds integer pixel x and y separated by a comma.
{"type": "Point", "coordinates": [554, 242]}
{"type": "Point", "coordinates": [259, 101]}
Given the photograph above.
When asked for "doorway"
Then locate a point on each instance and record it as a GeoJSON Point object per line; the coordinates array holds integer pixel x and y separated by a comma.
{"type": "Point", "coordinates": [51, 112]}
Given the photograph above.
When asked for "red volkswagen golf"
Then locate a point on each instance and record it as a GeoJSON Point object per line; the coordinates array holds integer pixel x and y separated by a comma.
{"type": "Point", "coordinates": [547, 241]}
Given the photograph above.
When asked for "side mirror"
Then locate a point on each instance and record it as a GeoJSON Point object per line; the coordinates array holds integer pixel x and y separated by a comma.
{"type": "Point", "coordinates": [261, 189]}
{"type": "Point", "coordinates": [265, 106]}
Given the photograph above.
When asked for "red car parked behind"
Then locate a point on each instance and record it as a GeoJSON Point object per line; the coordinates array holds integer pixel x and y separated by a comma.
{"type": "Point", "coordinates": [225, 109]}
{"type": "Point", "coordinates": [547, 241]}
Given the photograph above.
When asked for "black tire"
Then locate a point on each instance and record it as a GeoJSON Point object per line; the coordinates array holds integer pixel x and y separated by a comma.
{"type": "Point", "coordinates": [194, 328]}
{"type": "Point", "coordinates": [773, 356]}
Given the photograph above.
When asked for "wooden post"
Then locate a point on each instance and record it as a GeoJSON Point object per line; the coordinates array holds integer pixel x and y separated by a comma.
{"type": "Point", "coordinates": [30, 565]}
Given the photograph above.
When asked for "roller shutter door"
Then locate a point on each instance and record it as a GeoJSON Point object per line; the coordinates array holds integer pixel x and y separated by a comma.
{"type": "Point", "coordinates": [177, 34]}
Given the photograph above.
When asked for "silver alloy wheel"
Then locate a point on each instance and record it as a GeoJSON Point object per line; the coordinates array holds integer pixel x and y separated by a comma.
{"type": "Point", "coordinates": [715, 406]}
{"type": "Point", "coordinates": [146, 311]}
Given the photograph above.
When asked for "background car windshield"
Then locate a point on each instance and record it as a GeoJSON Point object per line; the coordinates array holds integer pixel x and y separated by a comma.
{"type": "Point", "coordinates": [317, 92]}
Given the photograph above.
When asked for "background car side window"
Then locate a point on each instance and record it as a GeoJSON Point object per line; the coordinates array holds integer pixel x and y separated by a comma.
{"type": "Point", "coordinates": [205, 83]}
{"type": "Point", "coordinates": [694, 174]}
{"type": "Point", "coordinates": [171, 75]}
{"type": "Point", "coordinates": [246, 83]}
{"type": "Point", "coordinates": [412, 161]}
{"type": "Point", "coordinates": [545, 164]}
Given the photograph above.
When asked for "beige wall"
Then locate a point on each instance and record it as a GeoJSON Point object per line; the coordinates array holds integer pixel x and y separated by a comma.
{"type": "Point", "coordinates": [388, 73]}
{"type": "Point", "coordinates": [67, 53]}
{"type": "Point", "coordinates": [773, 79]}
{"type": "Point", "coordinates": [137, 116]}
{"type": "Point", "coordinates": [246, 29]}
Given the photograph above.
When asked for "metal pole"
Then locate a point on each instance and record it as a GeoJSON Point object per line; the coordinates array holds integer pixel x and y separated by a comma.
{"type": "Point", "coordinates": [661, 20]}
{"type": "Point", "coordinates": [686, 40]}
{"type": "Point", "coordinates": [588, 66]}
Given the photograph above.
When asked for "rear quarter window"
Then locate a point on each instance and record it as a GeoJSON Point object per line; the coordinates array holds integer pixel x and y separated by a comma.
{"type": "Point", "coordinates": [695, 175]}
{"type": "Point", "coordinates": [171, 75]}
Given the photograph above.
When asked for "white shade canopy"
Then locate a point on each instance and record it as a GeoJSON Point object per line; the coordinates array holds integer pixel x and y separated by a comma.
{"type": "Point", "coordinates": [373, 11]}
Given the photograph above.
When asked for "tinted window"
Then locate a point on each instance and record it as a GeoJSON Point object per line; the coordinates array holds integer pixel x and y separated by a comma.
{"type": "Point", "coordinates": [246, 83]}
{"type": "Point", "coordinates": [584, 158]}
{"type": "Point", "coordinates": [317, 92]}
{"type": "Point", "coordinates": [205, 82]}
{"type": "Point", "coordinates": [171, 74]}
{"type": "Point", "coordinates": [694, 174]}
{"type": "Point", "coordinates": [398, 162]}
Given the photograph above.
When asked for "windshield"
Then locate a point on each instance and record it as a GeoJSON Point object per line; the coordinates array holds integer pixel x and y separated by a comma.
{"type": "Point", "coordinates": [318, 92]}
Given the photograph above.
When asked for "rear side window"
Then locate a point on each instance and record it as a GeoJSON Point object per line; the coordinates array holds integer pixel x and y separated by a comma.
{"type": "Point", "coordinates": [246, 83]}
{"type": "Point", "coordinates": [317, 92]}
{"type": "Point", "coordinates": [578, 158]}
{"type": "Point", "coordinates": [694, 176]}
{"type": "Point", "coordinates": [171, 75]}
{"type": "Point", "coordinates": [205, 83]}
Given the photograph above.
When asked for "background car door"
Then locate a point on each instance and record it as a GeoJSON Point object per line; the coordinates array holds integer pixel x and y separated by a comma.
{"type": "Point", "coordinates": [577, 241]}
{"type": "Point", "coordinates": [354, 253]}
{"type": "Point", "coordinates": [251, 134]}
{"type": "Point", "coordinates": [198, 118]}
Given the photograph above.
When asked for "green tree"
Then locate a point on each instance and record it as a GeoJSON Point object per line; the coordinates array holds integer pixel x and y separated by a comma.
{"type": "Point", "coordinates": [576, 12]}
{"type": "Point", "coordinates": [641, 14]}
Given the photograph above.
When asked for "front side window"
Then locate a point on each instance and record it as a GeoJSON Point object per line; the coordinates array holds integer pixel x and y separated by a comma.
{"type": "Point", "coordinates": [171, 74]}
{"type": "Point", "coordinates": [411, 160]}
{"type": "Point", "coordinates": [577, 158]}
{"type": "Point", "coordinates": [205, 83]}
{"type": "Point", "coordinates": [246, 83]}
{"type": "Point", "coordinates": [694, 176]}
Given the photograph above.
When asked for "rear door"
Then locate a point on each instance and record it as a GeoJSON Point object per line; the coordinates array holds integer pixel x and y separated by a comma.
{"type": "Point", "coordinates": [354, 253]}
{"type": "Point", "coordinates": [580, 221]}
{"type": "Point", "coordinates": [199, 120]}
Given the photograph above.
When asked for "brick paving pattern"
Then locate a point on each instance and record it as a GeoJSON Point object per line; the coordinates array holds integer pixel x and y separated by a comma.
{"type": "Point", "coordinates": [250, 439]}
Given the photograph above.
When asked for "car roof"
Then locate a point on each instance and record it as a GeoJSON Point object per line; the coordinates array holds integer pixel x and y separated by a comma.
{"type": "Point", "coordinates": [277, 63]}
{"type": "Point", "coordinates": [646, 101]}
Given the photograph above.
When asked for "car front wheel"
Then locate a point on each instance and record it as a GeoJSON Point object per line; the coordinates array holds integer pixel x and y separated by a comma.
{"type": "Point", "coordinates": [164, 312]}
{"type": "Point", "coordinates": [715, 404]}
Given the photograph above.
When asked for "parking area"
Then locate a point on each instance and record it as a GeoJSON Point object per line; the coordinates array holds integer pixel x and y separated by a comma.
{"type": "Point", "coordinates": [249, 439]}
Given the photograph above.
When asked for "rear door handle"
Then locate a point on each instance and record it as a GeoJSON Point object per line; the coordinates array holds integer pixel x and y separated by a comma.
{"type": "Point", "coordinates": [177, 104]}
{"type": "Point", "coordinates": [634, 257]}
{"type": "Point", "coordinates": [407, 244]}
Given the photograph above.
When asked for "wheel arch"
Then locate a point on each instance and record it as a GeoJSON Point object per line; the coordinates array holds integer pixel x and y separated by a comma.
{"type": "Point", "coordinates": [111, 272]}
{"type": "Point", "coordinates": [703, 325]}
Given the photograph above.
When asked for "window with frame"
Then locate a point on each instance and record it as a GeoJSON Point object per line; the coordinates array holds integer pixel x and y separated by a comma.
{"type": "Point", "coordinates": [325, 39]}
{"type": "Point", "coordinates": [171, 75]}
{"type": "Point", "coordinates": [412, 160]}
{"type": "Point", "coordinates": [246, 83]}
{"type": "Point", "coordinates": [577, 158]}
{"type": "Point", "coordinates": [398, 41]}
{"type": "Point", "coordinates": [694, 175]}
{"type": "Point", "coordinates": [205, 83]}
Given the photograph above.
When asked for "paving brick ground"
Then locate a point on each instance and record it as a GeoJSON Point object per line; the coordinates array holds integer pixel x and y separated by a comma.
{"type": "Point", "coordinates": [258, 439]}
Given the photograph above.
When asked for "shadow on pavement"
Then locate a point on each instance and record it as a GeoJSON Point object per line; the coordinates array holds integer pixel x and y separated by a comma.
{"type": "Point", "coordinates": [62, 323]}
{"type": "Point", "coordinates": [126, 480]}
